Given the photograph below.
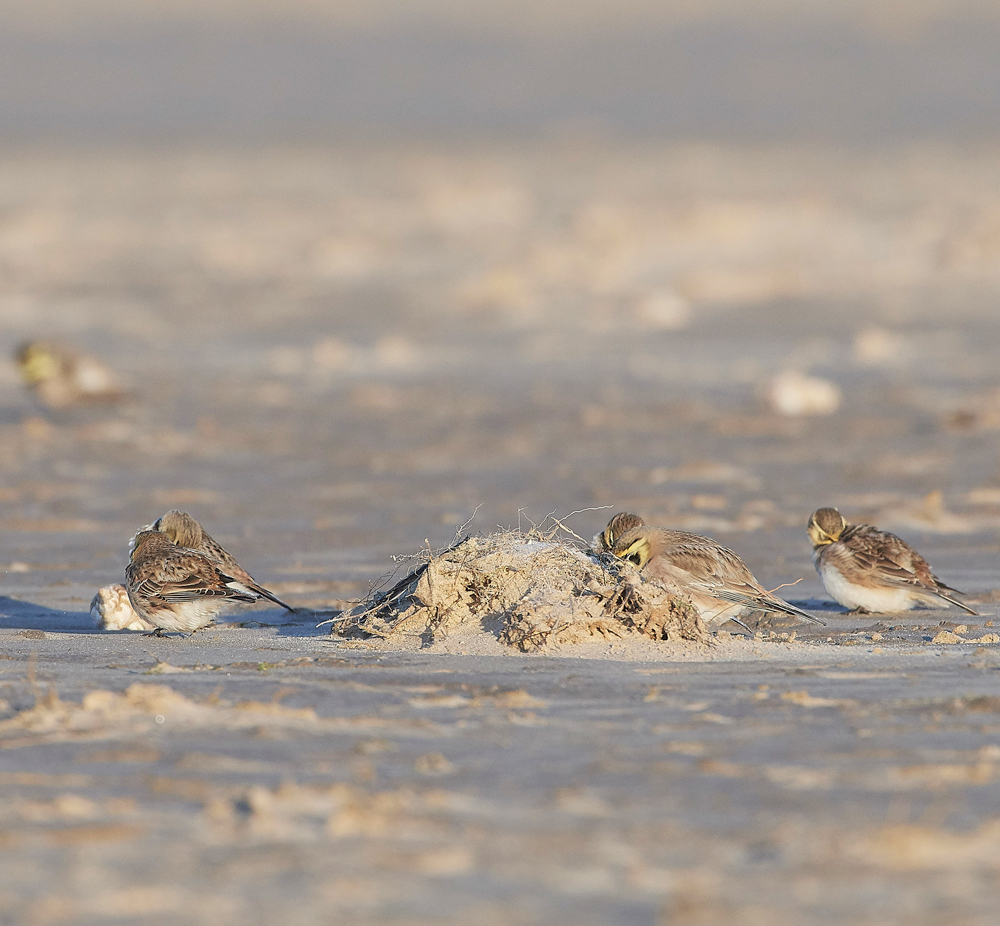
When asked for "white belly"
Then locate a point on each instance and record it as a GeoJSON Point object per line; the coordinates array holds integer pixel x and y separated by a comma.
{"type": "Point", "coordinates": [184, 616]}
{"type": "Point", "coordinates": [716, 611]}
{"type": "Point", "coordinates": [878, 600]}
{"type": "Point", "coordinates": [719, 612]}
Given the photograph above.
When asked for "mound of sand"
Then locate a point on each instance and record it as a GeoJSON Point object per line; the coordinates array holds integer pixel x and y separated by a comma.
{"type": "Point", "coordinates": [527, 591]}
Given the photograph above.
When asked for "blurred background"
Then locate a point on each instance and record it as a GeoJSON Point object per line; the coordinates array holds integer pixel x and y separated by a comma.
{"type": "Point", "coordinates": [762, 71]}
{"type": "Point", "coordinates": [361, 270]}
{"type": "Point", "coordinates": [340, 277]}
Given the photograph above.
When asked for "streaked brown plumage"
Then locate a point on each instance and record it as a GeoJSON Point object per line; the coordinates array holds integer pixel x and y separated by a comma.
{"type": "Point", "coordinates": [618, 525]}
{"type": "Point", "coordinates": [867, 569]}
{"type": "Point", "coordinates": [185, 531]}
{"type": "Point", "coordinates": [177, 589]}
{"type": "Point", "coordinates": [717, 581]}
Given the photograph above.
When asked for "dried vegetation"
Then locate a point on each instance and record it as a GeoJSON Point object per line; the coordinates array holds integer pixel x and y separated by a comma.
{"type": "Point", "coordinates": [528, 590]}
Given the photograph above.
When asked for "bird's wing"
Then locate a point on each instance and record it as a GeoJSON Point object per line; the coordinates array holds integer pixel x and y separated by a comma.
{"type": "Point", "coordinates": [708, 564]}
{"type": "Point", "coordinates": [869, 555]}
{"type": "Point", "coordinates": [719, 572]}
{"type": "Point", "coordinates": [178, 581]}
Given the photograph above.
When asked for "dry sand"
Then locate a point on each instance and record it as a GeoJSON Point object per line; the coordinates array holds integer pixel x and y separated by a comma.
{"type": "Point", "coordinates": [336, 356]}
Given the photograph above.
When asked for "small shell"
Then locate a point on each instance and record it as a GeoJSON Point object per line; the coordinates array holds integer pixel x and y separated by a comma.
{"type": "Point", "coordinates": [111, 610]}
{"type": "Point", "coordinates": [794, 394]}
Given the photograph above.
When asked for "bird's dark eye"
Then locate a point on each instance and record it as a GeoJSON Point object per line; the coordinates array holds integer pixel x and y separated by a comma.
{"type": "Point", "coordinates": [635, 558]}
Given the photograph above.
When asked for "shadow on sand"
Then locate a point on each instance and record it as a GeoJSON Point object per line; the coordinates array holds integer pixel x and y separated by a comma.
{"type": "Point", "coordinates": [26, 615]}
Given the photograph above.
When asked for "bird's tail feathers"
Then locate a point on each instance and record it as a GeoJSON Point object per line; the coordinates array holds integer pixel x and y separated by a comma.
{"type": "Point", "coordinates": [264, 593]}
{"type": "Point", "coordinates": [768, 603]}
{"type": "Point", "coordinates": [956, 602]}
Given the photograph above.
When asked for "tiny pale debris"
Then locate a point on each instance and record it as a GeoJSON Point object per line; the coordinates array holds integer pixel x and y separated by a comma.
{"type": "Point", "coordinates": [518, 698]}
{"type": "Point", "coordinates": [876, 347]}
{"type": "Point", "coordinates": [446, 862]}
{"type": "Point", "coordinates": [988, 638]}
{"type": "Point", "coordinates": [712, 717]}
{"type": "Point", "coordinates": [433, 763]}
{"type": "Point", "coordinates": [664, 309]}
{"type": "Point", "coordinates": [946, 636]}
{"type": "Point", "coordinates": [804, 699]}
{"type": "Point", "coordinates": [582, 802]}
{"type": "Point", "coordinates": [431, 701]}
{"type": "Point", "coordinates": [796, 395]}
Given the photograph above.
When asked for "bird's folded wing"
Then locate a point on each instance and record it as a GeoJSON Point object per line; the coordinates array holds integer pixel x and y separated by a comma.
{"type": "Point", "coordinates": [192, 588]}
{"type": "Point", "coordinates": [871, 565]}
{"type": "Point", "coordinates": [711, 565]}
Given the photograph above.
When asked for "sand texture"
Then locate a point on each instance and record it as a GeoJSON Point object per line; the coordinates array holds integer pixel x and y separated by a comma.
{"type": "Point", "coordinates": [343, 357]}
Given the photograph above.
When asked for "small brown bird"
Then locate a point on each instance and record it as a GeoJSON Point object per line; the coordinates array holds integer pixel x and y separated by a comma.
{"type": "Point", "coordinates": [176, 589]}
{"type": "Point", "coordinates": [185, 531]}
{"type": "Point", "coordinates": [621, 522]}
{"type": "Point", "coordinates": [716, 580]}
{"type": "Point", "coordinates": [866, 569]}
{"type": "Point", "coordinates": [62, 378]}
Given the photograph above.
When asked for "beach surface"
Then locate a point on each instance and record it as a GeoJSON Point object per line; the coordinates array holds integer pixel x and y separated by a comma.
{"type": "Point", "coordinates": [339, 355]}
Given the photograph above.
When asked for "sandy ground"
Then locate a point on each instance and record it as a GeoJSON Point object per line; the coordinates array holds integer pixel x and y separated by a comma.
{"type": "Point", "coordinates": [338, 355]}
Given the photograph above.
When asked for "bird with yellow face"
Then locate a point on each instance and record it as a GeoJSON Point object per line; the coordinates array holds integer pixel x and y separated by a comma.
{"type": "Point", "coordinates": [716, 580]}
{"type": "Point", "coordinates": [870, 570]}
{"type": "Point", "coordinates": [62, 378]}
{"type": "Point", "coordinates": [621, 522]}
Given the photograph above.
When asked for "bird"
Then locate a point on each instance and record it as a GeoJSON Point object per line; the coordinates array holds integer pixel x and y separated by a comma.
{"type": "Point", "coordinates": [185, 531]}
{"type": "Point", "coordinates": [621, 522]}
{"type": "Point", "coordinates": [870, 570]}
{"type": "Point", "coordinates": [62, 378]}
{"type": "Point", "coordinates": [716, 580]}
{"type": "Point", "coordinates": [111, 610]}
{"type": "Point", "coordinates": [176, 589]}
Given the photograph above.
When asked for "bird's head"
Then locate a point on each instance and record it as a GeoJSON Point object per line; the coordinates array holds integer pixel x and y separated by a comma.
{"type": "Point", "coordinates": [148, 542]}
{"type": "Point", "coordinates": [37, 362]}
{"type": "Point", "coordinates": [180, 527]}
{"type": "Point", "coordinates": [825, 526]}
{"type": "Point", "coordinates": [620, 524]}
{"type": "Point", "coordinates": [635, 545]}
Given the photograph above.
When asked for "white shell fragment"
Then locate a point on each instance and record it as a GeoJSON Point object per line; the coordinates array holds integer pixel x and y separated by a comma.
{"type": "Point", "coordinates": [795, 394]}
{"type": "Point", "coordinates": [111, 610]}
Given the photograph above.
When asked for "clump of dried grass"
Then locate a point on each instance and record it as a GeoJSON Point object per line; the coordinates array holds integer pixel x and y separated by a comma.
{"type": "Point", "coordinates": [530, 591]}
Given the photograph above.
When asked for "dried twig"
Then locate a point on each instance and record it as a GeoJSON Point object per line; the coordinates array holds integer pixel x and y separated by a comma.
{"type": "Point", "coordinates": [785, 585]}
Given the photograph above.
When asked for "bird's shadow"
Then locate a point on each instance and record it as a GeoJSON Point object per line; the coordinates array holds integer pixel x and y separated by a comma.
{"type": "Point", "coordinates": [306, 623]}
{"type": "Point", "coordinates": [27, 615]}
{"type": "Point", "coordinates": [815, 604]}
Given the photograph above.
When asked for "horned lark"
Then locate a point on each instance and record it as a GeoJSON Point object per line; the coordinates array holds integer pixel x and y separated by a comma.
{"type": "Point", "coordinates": [111, 610]}
{"type": "Point", "coordinates": [185, 531]}
{"type": "Point", "coordinates": [62, 378]}
{"type": "Point", "coordinates": [717, 581]}
{"type": "Point", "coordinates": [621, 522]}
{"type": "Point", "coordinates": [177, 589]}
{"type": "Point", "coordinates": [866, 569]}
